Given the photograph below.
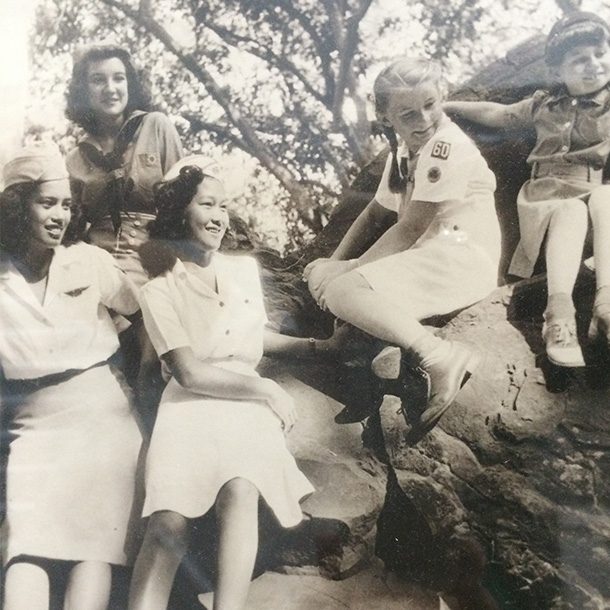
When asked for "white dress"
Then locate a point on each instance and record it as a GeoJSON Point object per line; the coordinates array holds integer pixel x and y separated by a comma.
{"type": "Point", "coordinates": [74, 445]}
{"type": "Point", "coordinates": [455, 262]}
{"type": "Point", "coordinates": [200, 443]}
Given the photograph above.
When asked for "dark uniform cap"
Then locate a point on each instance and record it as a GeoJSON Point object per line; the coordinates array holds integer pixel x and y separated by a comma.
{"type": "Point", "coordinates": [564, 30]}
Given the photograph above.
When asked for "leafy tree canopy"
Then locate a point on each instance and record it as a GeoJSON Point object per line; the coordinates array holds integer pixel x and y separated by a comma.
{"type": "Point", "coordinates": [286, 82]}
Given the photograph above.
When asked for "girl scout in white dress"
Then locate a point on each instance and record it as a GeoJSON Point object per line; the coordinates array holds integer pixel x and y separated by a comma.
{"type": "Point", "coordinates": [218, 441]}
{"type": "Point", "coordinates": [74, 441]}
{"type": "Point", "coordinates": [443, 252]}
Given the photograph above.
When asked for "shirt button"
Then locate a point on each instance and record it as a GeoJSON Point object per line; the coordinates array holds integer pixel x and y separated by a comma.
{"type": "Point", "coordinates": [136, 223]}
{"type": "Point", "coordinates": [247, 301]}
{"type": "Point", "coordinates": [230, 355]}
{"type": "Point", "coordinates": [564, 148]}
{"type": "Point", "coordinates": [132, 233]}
{"type": "Point", "coordinates": [227, 332]}
{"type": "Point", "coordinates": [131, 241]}
{"type": "Point", "coordinates": [221, 304]}
{"type": "Point", "coordinates": [567, 124]}
{"type": "Point", "coordinates": [574, 102]}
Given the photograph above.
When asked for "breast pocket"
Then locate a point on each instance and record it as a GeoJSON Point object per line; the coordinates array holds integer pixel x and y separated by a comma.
{"type": "Point", "coordinates": [78, 304]}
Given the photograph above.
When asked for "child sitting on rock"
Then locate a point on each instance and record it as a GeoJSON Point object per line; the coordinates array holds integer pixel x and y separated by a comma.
{"type": "Point", "coordinates": [566, 188]}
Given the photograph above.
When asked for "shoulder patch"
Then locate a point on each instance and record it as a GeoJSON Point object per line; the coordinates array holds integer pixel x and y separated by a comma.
{"type": "Point", "coordinates": [434, 174]}
{"type": "Point", "coordinates": [441, 150]}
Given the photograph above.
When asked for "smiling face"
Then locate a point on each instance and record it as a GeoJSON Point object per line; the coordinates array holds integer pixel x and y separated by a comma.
{"type": "Point", "coordinates": [416, 113]}
{"type": "Point", "coordinates": [107, 86]}
{"type": "Point", "coordinates": [207, 217]}
{"type": "Point", "coordinates": [585, 68]}
{"type": "Point", "coordinates": [50, 212]}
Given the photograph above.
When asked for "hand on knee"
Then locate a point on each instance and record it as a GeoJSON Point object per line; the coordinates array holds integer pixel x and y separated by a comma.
{"type": "Point", "coordinates": [325, 274]}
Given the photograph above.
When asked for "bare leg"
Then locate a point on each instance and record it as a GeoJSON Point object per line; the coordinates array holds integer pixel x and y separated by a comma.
{"type": "Point", "coordinates": [164, 545]}
{"type": "Point", "coordinates": [26, 586]}
{"type": "Point", "coordinates": [447, 363]}
{"type": "Point", "coordinates": [88, 586]}
{"type": "Point", "coordinates": [599, 209]}
{"type": "Point", "coordinates": [237, 514]}
{"type": "Point", "coordinates": [351, 298]}
{"type": "Point", "coordinates": [565, 242]}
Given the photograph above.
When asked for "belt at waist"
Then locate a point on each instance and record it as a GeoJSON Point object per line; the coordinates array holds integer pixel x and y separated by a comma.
{"type": "Point", "coordinates": [12, 388]}
{"type": "Point", "coordinates": [133, 232]}
{"type": "Point", "coordinates": [585, 172]}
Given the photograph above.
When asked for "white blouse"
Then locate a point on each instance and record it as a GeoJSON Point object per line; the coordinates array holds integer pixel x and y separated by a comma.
{"type": "Point", "coordinates": [72, 328]}
{"type": "Point", "coordinates": [224, 328]}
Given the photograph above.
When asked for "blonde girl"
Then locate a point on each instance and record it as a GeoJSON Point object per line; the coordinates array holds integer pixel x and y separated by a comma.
{"type": "Point", "coordinates": [441, 254]}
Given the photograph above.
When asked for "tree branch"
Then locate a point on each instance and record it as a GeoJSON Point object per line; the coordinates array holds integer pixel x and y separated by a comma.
{"type": "Point", "coordinates": [297, 191]}
{"type": "Point", "coordinates": [255, 48]}
{"type": "Point", "coordinates": [198, 124]}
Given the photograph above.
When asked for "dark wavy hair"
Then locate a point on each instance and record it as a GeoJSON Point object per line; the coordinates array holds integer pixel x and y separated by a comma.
{"type": "Point", "coordinates": [403, 74]}
{"type": "Point", "coordinates": [169, 237]}
{"type": "Point", "coordinates": [78, 105]}
{"type": "Point", "coordinates": [15, 219]}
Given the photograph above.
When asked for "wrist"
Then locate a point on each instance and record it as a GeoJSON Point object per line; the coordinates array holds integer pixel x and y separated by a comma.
{"type": "Point", "coordinates": [312, 347]}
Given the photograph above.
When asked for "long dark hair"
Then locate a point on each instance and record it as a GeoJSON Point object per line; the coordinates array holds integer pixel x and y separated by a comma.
{"type": "Point", "coordinates": [169, 233]}
{"type": "Point", "coordinates": [78, 105]}
{"type": "Point", "coordinates": [402, 75]}
{"type": "Point", "coordinates": [15, 219]}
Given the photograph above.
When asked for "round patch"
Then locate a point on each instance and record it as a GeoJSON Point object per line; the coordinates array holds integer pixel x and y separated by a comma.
{"type": "Point", "coordinates": [434, 174]}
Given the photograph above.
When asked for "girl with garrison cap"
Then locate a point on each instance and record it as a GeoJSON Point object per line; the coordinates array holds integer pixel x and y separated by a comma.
{"type": "Point", "coordinates": [566, 188]}
{"type": "Point", "coordinates": [73, 438]}
{"type": "Point", "coordinates": [218, 441]}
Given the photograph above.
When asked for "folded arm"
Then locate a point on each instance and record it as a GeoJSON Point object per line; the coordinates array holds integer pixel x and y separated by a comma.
{"type": "Point", "coordinates": [206, 379]}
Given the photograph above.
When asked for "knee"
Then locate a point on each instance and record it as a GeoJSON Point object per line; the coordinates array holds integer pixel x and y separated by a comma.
{"type": "Point", "coordinates": [168, 530]}
{"type": "Point", "coordinates": [599, 202]}
{"type": "Point", "coordinates": [237, 491]}
{"type": "Point", "coordinates": [571, 210]}
{"type": "Point", "coordinates": [339, 291]}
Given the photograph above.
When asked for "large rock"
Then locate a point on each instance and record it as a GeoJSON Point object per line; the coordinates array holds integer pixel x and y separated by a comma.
{"type": "Point", "coordinates": [373, 587]}
{"type": "Point", "coordinates": [350, 482]}
{"type": "Point", "coordinates": [519, 462]}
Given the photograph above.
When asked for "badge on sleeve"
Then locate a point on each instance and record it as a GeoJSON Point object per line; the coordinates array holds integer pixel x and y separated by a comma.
{"type": "Point", "coordinates": [434, 174]}
{"type": "Point", "coordinates": [441, 150]}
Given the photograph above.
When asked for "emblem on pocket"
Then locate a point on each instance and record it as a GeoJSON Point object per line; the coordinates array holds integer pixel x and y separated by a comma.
{"type": "Point", "coordinates": [76, 292]}
{"type": "Point", "coordinates": [148, 159]}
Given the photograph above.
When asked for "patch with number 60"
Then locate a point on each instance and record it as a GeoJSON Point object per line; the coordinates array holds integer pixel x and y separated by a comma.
{"type": "Point", "coordinates": [441, 150]}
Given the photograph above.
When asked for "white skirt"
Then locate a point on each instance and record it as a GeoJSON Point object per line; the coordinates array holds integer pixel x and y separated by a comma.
{"type": "Point", "coordinates": [71, 474]}
{"type": "Point", "coordinates": [435, 277]}
{"type": "Point", "coordinates": [198, 444]}
{"type": "Point", "coordinates": [536, 202]}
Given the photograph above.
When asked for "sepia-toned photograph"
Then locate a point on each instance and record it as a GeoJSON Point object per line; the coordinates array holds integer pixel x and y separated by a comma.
{"type": "Point", "coordinates": [304, 305]}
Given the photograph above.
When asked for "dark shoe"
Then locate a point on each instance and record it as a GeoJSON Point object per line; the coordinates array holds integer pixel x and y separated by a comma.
{"type": "Point", "coordinates": [446, 378]}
